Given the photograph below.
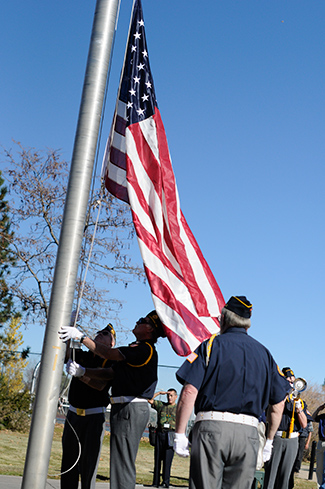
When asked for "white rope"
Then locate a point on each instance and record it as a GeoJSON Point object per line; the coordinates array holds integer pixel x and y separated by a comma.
{"type": "Point", "coordinates": [99, 204]}
{"type": "Point", "coordinates": [79, 445]}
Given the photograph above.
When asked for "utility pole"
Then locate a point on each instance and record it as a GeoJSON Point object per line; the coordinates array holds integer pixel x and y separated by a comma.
{"type": "Point", "coordinates": [66, 269]}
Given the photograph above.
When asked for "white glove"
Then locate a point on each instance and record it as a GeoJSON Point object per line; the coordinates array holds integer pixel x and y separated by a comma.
{"type": "Point", "coordinates": [74, 369]}
{"type": "Point", "coordinates": [67, 365]}
{"type": "Point", "coordinates": [181, 445]}
{"type": "Point", "coordinates": [298, 405]}
{"type": "Point", "coordinates": [67, 333]}
{"type": "Point", "coordinates": [267, 451]}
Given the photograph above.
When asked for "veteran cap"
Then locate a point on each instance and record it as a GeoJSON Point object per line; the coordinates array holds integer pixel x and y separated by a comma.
{"type": "Point", "coordinates": [287, 372]}
{"type": "Point", "coordinates": [153, 316]}
{"type": "Point", "coordinates": [240, 306]}
{"type": "Point", "coordinates": [110, 329]}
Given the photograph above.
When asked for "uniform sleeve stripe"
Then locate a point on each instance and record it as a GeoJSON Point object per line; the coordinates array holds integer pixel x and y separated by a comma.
{"type": "Point", "coordinates": [148, 359]}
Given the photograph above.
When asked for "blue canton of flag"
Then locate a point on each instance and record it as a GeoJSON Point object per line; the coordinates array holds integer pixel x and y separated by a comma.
{"type": "Point", "coordinates": [137, 88]}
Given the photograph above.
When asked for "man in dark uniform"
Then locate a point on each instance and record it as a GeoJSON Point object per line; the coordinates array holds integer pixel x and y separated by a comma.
{"type": "Point", "coordinates": [166, 422]}
{"type": "Point", "coordinates": [85, 422]}
{"type": "Point", "coordinates": [134, 378]}
{"type": "Point", "coordinates": [320, 452]}
{"type": "Point", "coordinates": [231, 379]}
{"type": "Point", "coordinates": [285, 444]}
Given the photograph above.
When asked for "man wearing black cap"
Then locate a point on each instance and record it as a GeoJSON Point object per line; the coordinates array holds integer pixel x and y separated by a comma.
{"type": "Point", "coordinates": [134, 378]}
{"type": "Point", "coordinates": [85, 422]}
{"type": "Point", "coordinates": [285, 445]}
{"type": "Point", "coordinates": [230, 379]}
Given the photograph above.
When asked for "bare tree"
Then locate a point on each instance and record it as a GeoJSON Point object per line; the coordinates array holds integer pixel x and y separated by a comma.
{"type": "Point", "coordinates": [37, 187]}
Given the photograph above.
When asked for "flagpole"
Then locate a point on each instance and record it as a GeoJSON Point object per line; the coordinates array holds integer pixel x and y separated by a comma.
{"type": "Point", "coordinates": [66, 269]}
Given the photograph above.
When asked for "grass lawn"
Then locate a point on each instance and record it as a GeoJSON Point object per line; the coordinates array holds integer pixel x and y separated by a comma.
{"type": "Point", "coordinates": [13, 447]}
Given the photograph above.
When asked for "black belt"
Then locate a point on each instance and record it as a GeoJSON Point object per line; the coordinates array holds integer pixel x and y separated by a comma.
{"type": "Point", "coordinates": [164, 430]}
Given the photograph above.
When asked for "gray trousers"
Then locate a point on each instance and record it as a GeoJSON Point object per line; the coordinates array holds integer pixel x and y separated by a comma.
{"type": "Point", "coordinates": [223, 455]}
{"type": "Point", "coordinates": [279, 467]}
{"type": "Point", "coordinates": [128, 422]}
{"type": "Point", "coordinates": [320, 464]}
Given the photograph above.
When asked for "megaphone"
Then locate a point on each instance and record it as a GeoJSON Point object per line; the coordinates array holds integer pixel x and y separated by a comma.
{"type": "Point", "coordinates": [299, 385]}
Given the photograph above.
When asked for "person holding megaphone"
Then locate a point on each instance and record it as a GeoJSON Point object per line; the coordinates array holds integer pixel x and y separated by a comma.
{"type": "Point", "coordinates": [285, 444]}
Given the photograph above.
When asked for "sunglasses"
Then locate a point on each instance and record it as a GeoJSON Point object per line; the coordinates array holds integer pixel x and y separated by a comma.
{"type": "Point", "coordinates": [143, 321]}
{"type": "Point", "coordinates": [104, 333]}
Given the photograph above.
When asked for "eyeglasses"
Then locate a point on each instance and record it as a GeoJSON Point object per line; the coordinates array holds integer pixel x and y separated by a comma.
{"type": "Point", "coordinates": [104, 333]}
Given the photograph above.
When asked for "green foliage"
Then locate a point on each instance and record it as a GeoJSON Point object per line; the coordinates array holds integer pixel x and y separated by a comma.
{"type": "Point", "coordinates": [12, 362]}
{"type": "Point", "coordinates": [14, 397]}
{"type": "Point", "coordinates": [14, 408]}
{"type": "Point", "coordinates": [6, 257]}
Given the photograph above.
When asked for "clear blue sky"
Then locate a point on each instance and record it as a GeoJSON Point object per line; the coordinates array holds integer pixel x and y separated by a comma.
{"type": "Point", "coordinates": [240, 86]}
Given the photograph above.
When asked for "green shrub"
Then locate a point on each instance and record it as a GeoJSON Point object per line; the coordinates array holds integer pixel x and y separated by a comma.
{"type": "Point", "coordinates": [14, 408]}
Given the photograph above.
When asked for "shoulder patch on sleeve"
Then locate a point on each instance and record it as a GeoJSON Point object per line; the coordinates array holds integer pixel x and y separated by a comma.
{"type": "Point", "coordinates": [209, 346]}
{"type": "Point", "coordinates": [280, 371]}
{"type": "Point", "coordinates": [192, 357]}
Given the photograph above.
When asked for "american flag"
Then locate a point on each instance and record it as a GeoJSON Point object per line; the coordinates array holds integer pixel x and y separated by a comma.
{"type": "Point", "coordinates": [138, 170]}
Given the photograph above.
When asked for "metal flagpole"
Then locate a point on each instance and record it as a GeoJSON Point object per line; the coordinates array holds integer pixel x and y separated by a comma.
{"type": "Point", "coordinates": [65, 276]}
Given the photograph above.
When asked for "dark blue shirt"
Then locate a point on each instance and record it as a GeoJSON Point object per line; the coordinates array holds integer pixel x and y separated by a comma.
{"type": "Point", "coordinates": [241, 375]}
{"type": "Point", "coordinates": [288, 414]}
{"type": "Point", "coordinates": [321, 427]}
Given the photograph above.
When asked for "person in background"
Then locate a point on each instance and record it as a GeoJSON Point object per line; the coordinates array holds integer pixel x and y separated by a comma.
{"type": "Point", "coordinates": [303, 444]}
{"type": "Point", "coordinates": [231, 379]}
{"type": "Point", "coordinates": [320, 451]}
{"type": "Point", "coordinates": [285, 446]}
{"type": "Point", "coordinates": [85, 422]}
{"type": "Point", "coordinates": [166, 422]}
{"type": "Point", "coordinates": [134, 378]}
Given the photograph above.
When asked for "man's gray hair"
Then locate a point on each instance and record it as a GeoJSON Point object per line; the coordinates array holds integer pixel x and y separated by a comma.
{"type": "Point", "coordinates": [231, 319]}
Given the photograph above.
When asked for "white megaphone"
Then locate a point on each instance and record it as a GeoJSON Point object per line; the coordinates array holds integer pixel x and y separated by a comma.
{"type": "Point", "coordinates": [299, 385]}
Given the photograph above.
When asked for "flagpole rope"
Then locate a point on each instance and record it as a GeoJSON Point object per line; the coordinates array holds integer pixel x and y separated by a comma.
{"type": "Point", "coordinates": [78, 441]}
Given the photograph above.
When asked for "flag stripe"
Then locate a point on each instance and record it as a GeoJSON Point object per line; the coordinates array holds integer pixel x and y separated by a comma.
{"type": "Point", "coordinates": [186, 253]}
{"type": "Point", "coordinates": [146, 194]}
{"type": "Point", "coordinates": [155, 260]}
{"type": "Point", "coordinates": [119, 191]}
{"type": "Point", "coordinates": [118, 159]}
{"type": "Point", "coordinates": [192, 324]}
{"type": "Point", "coordinates": [207, 274]}
{"type": "Point", "coordinates": [120, 125]}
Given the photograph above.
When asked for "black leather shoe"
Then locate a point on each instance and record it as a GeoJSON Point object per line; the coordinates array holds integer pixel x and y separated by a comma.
{"type": "Point", "coordinates": [164, 485]}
